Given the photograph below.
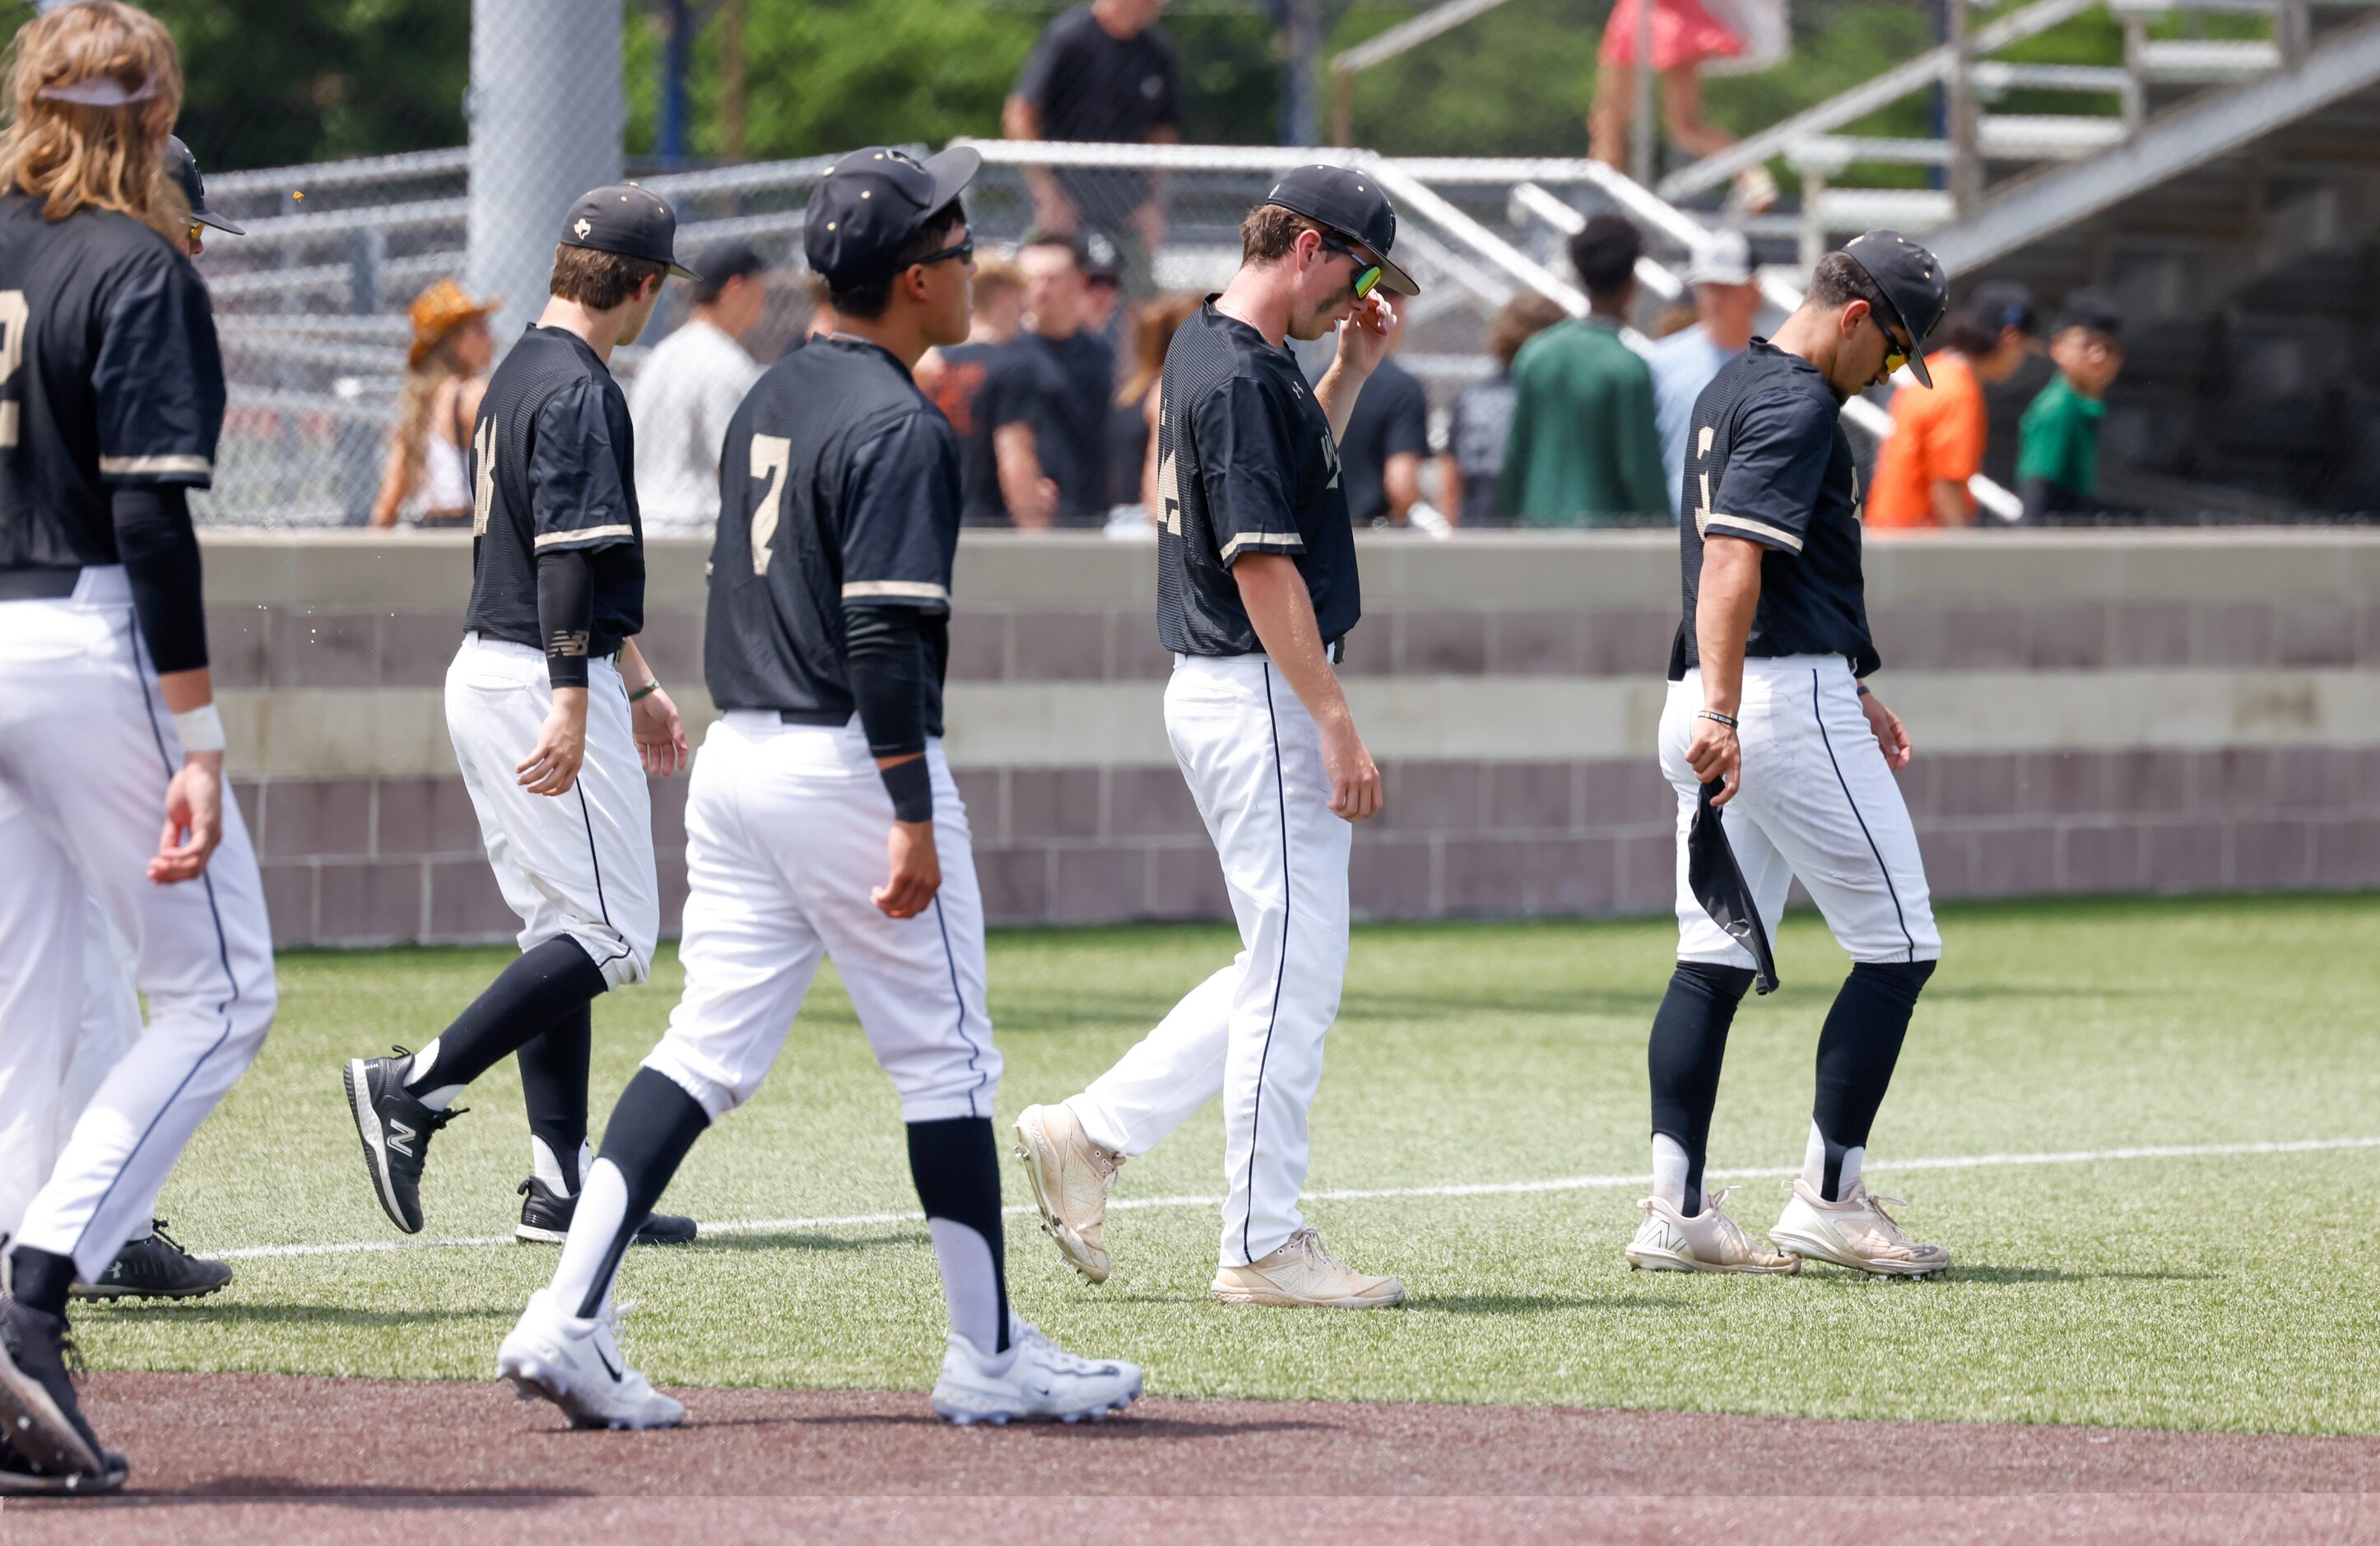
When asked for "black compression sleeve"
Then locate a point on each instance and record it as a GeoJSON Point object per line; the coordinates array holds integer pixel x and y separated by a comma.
{"type": "Point", "coordinates": [884, 652]}
{"type": "Point", "coordinates": [160, 559]}
{"type": "Point", "coordinates": [565, 614]}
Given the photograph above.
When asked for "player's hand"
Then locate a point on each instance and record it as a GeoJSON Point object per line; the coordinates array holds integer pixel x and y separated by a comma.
{"type": "Point", "coordinates": [661, 738]}
{"type": "Point", "coordinates": [1717, 756]}
{"type": "Point", "coordinates": [193, 820]}
{"type": "Point", "coordinates": [1354, 778]}
{"type": "Point", "coordinates": [553, 768]}
{"type": "Point", "coordinates": [1890, 739]}
{"type": "Point", "coordinates": [1364, 336]}
{"type": "Point", "coordinates": [916, 871]}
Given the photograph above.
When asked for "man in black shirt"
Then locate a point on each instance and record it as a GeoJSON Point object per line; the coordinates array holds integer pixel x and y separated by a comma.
{"type": "Point", "coordinates": [1074, 437]}
{"type": "Point", "coordinates": [1106, 74]}
{"type": "Point", "coordinates": [825, 647]}
{"type": "Point", "coordinates": [1380, 455]}
{"type": "Point", "coordinates": [1257, 591]}
{"type": "Point", "coordinates": [1770, 722]}
{"type": "Point", "coordinates": [998, 392]}
{"type": "Point", "coordinates": [550, 667]}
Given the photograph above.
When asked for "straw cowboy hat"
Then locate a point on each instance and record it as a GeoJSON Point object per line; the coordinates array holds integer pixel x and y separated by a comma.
{"type": "Point", "coordinates": [439, 311]}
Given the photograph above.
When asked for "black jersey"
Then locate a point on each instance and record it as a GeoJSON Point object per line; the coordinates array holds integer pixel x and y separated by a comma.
{"type": "Point", "coordinates": [1245, 464]}
{"type": "Point", "coordinates": [553, 468]}
{"type": "Point", "coordinates": [841, 484]}
{"type": "Point", "coordinates": [109, 373]}
{"type": "Point", "coordinates": [983, 389]}
{"type": "Point", "coordinates": [1766, 460]}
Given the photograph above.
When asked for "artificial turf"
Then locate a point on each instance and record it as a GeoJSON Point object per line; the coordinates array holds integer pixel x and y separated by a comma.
{"type": "Point", "coordinates": [2211, 1291]}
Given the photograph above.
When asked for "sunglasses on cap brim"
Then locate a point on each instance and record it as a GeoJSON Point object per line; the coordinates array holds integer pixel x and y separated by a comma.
{"type": "Point", "coordinates": [1367, 274]}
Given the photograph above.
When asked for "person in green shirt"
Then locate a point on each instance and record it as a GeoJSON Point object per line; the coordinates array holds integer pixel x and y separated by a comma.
{"type": "Point", "coordinates": [1582, 450]}
{"type": "Point", "coordinates": [2058, 456]}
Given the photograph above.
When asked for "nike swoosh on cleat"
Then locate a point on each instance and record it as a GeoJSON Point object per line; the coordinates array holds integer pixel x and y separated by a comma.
{"type": "Point", "coordinates": [607, 1366]}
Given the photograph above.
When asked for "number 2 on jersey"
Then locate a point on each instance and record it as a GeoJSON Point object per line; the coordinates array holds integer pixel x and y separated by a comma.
{"type": "Point", "coordinates": [771, 455]}
{"type": "Point", "coordinates": [15, 315]}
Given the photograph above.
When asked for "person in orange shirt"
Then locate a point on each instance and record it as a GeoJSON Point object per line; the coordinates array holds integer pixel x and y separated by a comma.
{"type": "Point", "coordinates": [1938, 437]}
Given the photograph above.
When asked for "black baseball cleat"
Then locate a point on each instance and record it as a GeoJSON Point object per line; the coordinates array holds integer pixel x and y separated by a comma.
{"type": "Point", "coordinates": [19, 1477]}
{"type": "Point", "coordinates": [395, 1130]}
{"type": "Point", "coordinates": [546, 1218]}
{"type": "Point", "coordinates": [39, 1413]}
{"type": "Point", "coordinates": [156, 1267]}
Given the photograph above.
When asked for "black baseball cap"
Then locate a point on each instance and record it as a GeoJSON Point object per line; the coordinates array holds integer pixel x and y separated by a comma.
{"type": "Point", "coordinates": [870, 206]}
{"type": "Point", "coordinates": [1097, 256]}
{"type": "Point", "coordinates": [724, 261]}
{"type": "Point", "coordinates": [1915, 288]}
{"type": "Point", "coordinates": [625, 220]}
{"type": "Point", "coordinates": [183, 167]}
{"type": "Point", "coordinates": [2004, 303]}
{"type": "Point", "coordinates": [1351, 203]}
{"type": "Point", "coordinates": [2091, 309]}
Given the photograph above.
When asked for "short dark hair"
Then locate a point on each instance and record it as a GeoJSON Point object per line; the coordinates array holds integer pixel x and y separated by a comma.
{"type": "Point", "coordinates": [867, 298]}
{"type": "Point", "coordinates": [599, 280]}
{"type": "Point", "coordinates": [1041, 235]}
{"type": "Point", "coordinates": [1838, 280]}
{"type": "Point", "coordinates": [729, 259]}
{"type": "Point", "coordinates": [1605, 253]}
{"type": "Point", "coordinates": [1269, 231]}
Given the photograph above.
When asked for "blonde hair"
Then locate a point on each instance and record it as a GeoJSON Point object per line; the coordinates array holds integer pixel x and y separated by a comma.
{"type": "Point", "coordinates": [1151, 336]}
{"type": "Point", "coordinates": [994, 274]}
{"type": "Point", "coordinates": [419, 395]}
{"type": "Point", "coordinates": [72, 156]}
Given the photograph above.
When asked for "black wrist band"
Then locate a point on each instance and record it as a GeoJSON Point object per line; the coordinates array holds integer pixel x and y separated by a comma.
{"type": "Point", "coordinates": [1864, 690]}
{"type": "Point", "coordinates": [1713, 714]}
{"type": "Point", "coordinates": [912, 788]}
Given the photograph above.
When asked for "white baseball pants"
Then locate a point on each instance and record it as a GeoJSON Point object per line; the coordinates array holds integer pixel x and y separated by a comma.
{"type": "Point", "coordinates": [86, 750]}
{"type": "Point", "coordinates": [580, 863]}
{"type": "Point", "coordinates": [1254, 1031]}
{"type": "Point", "coordinates": [785, 831]}
{"type": "Point", "coordinates": [1818, 802]}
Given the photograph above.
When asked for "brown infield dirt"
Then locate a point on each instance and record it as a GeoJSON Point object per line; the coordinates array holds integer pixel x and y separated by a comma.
{"type": "Point", "coordinates": [264, 1459]}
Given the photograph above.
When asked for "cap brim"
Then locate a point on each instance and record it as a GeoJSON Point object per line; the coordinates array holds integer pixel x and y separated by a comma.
{"type": "Point", "coordinates": [679, 271]}
{"type": "Point", "coordinates": [1395, 280]}
{"type": "Point", "coordinates": [1916, 345]}
{"type": "Point", "coordinates": [952, 170]}
{"type": "Point", "coordinates": [218, 222]}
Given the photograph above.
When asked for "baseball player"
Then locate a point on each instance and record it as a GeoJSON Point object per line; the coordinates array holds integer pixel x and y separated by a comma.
{"type": "Point", "coordinates": [1770, 731]}
{"type": "Point", "coordinates": [556, 720]}
{"type": "Point", "coordinates": [111, 746]}
{"type": "Point", "coordinates": [822, 817]}
{"type": "Point", "coordinates": [1257, 591]}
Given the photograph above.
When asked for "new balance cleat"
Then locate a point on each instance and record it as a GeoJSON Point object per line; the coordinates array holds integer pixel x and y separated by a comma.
{"type": "Point", "coordinates": [1302, 1273]}
{"type": "Point", "coordinates": [1668, 1241]}
{"type": "Point", "coordinates": [546, 1215]}
{"type": "Point", "coordinates": [156, 1267]}
{"type": "Point", "coordinates": [395, 1130]}
{"type": "Point", "coordinates": [40, 1414]}
{"type": "Point", "coordinates": [1034, 1377]}
{"type": "Point", "coordinates": [1071, 1179]}
{"type": "Point", "coordinates": [576, 1365]}
{"type": "Point", "coordinates": [1855, 1232]}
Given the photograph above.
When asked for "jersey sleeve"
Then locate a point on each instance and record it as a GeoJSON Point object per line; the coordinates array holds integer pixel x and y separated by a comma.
{"type": "Point", "coordinates": [901, 493]}
{"type": "Point", "coordinates": [1776, 466]}
{"type": "Point", "coordinates": [1016, 389]}
{"type": "Point", "coordinates": [575, 496]}
{"type": "Point", "coordinates": [158, 381]}
{"type": "Point", "coordinates": [1245, 464]}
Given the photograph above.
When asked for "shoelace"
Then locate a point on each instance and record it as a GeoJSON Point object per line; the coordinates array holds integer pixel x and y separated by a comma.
{"type": "Point", "coordinates": [157, 1228]}
{"type": "Point", "coordinates": [1030, 1337]}
{"type": "Point", "coordinates": [1891, 1229]}
{"type": "Point", "coordinates": [438, 1118]}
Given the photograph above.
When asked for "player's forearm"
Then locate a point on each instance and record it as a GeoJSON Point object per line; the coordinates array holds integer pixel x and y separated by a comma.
{"type": "Point", "coordinates": [633, 669]}
{"type": "Point", "coordinates": [1726, 599]}
{"type": "Point", "coordinates": [1336, 391]}
{"type": "Point", "coordinates": [1017, 462]}
{"type": "Point", "coordinates": [565, 614]}
{"type": "Point", "coordinates": [885, 661]}
{"type": "Point", "coordinates": [1950, 500]}
{"type": "Point", "coordinates": [1450, 485]}
{"type": "Point", "coordinates": [161, 562]}
{"type": "Point", "coordinates": [1401, 481]}
{"type": "Point", "coordinates": [1282, 614]}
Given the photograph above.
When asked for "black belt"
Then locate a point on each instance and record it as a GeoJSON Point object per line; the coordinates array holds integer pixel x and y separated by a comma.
{"type": "Point", "coordinates": [39, 584]}
{"type": "Point", "coordinates": [826, 717]}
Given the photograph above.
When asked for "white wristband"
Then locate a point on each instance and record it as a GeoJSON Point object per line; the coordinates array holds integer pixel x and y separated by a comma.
{"type": "Point", "coordinates": [199, 729]}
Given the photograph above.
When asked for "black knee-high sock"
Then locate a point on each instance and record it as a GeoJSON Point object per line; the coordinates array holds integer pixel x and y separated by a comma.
{"type": "Point", "coordinates": [651, 1131]}
{"type": "Point", "coordinates": [547, 981]}
{"type": "Point", "coordinates": [40, 1279]}
{"type": "Point", "coordinates": [1856, 1052]}
{"type": "Point", "coordinates": [1688, 1044]}
{"type": "Point", "coordinates": [554, 1086]}
{"type": "Point", "coordinates": [956, 1167]}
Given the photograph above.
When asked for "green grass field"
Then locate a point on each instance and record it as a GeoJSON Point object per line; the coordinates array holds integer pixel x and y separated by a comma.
{"type": "Point", "coordinates": [2205, 1291]}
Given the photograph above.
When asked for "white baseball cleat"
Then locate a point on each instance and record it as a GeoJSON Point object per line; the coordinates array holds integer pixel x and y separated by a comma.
{"type": "Point", "coordinates": [576, 1365]}
{"type": "Point", "coordinates": [1071, 1178]}
{"type": "Point", "coordinates": [1669, 1241]}
{"type": "Point", "coordinates": [1034, 1377]}
{"type": "Point", "coordinates": [1302, 1273]}
{"type": "Point", "coordinates": [1855, 1232]}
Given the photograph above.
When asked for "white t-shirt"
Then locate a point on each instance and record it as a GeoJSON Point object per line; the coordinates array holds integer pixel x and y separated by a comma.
{"type": "Point", "coordinates": [1682, 364]}
{"type": "Point", "coordinates": [683, 394]}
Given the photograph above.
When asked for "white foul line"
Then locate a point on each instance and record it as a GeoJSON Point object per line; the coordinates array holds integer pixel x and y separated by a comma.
{"type": "Point", "coordinates": [1350, 1193]}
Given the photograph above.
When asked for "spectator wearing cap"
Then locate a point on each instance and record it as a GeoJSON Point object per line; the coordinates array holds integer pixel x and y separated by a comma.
{"type": "Point", "coordinates": [1472, 463]}
{"type": "Point", "coordinates": [1582, 449]}
{"type": "Point", "coordinates": [1073, 441]}
{"type": "Point", "coordinates": [2058, 456]}
{"type": "Point", "coordinates": [1106, 73]}
{"type": "Point", "coordinates": [1387, 436]}
{"type": "Point", "coordinates": [688, 388]}
{"type": "Point", "coordinates": [997, 392]}
{"type": "Point", "coordinates": [1102, 285]}
{"type": "Point", "coordinates": [1938, 436]}
{"type": "Point", "coordinates": [1727, 298]}
{"type": "Point", "coordinates": [427, 480]}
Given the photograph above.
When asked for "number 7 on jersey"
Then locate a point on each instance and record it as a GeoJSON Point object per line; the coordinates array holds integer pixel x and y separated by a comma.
{"type": "Point", "coordinates": [771, 455]}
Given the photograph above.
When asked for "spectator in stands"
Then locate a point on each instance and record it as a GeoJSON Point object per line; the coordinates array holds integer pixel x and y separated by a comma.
{"type": "Point", "coordinates": [997, 394]}
{"type": "Point", "coordinates": [689, 386]}
{"type": "Point", "coordinates": [1102, 285]}
{"type": "Point", "coordinates": [2058, 456]}
{"type": "Point", "coordinates": [1102, 72]}
{"type": "Point", "coordinates": [1727, 298]}
{"type": "Point", "coordinates": [1582, 449]}
{"type": "Point", "coordinates": [1073, 439]}
{"type": "Point", "coordinates": [1686, 36]}
{"type": "Point", "coordinates": [1938, 437]}
{"type": "Point", "coordinates": [1131, 427]}
{"type": "Point", "coordinates": [1381, 452]}
{"type": "Point", "coordinates": [428, 478]}
{"type": "Point", "coordinates": [1473, 458]}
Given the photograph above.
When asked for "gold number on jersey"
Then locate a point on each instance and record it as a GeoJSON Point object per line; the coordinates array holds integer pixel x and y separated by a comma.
{"type": "Point", "coordinates": [1701, 478]}
{"type": "Point", "coordinates": [771, 455]}
{"type": "Point", "coordinates": [13, 317]}
{"type": "Point", "coordinates": [483, 474]}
